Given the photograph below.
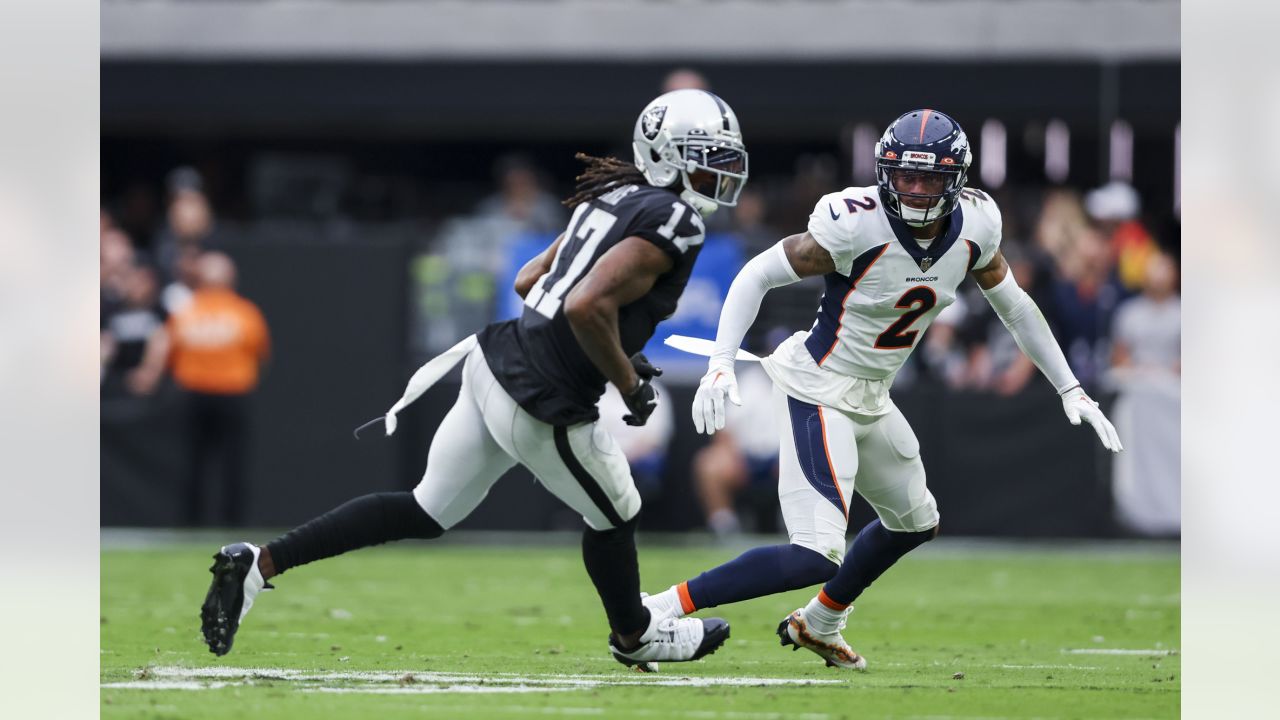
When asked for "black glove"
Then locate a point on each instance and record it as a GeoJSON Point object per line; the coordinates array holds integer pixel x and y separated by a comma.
{"type": "Point", "coordinates": [643, 367]}
{"type": "Point", "coordinates": [642, 401]}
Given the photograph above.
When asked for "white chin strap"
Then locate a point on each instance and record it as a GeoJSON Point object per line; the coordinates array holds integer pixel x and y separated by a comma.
{"type": "Point", "coordinates": [700, 203]}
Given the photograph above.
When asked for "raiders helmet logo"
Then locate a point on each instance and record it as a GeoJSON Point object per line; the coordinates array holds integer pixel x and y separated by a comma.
{"type": "Point", "coordinates": [652, 121]}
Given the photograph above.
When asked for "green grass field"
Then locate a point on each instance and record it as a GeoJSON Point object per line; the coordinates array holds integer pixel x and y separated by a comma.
{"type": "Point", "coordinates": [452, 631]}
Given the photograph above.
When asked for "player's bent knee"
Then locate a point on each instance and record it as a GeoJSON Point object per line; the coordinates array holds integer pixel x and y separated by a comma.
{"type": "Point", "coordinates": [913, 539]}
{"type": "Point", "coordinates": [806, 567]}
{"type": "Point", "coordinates": [617, 535]}
{"type": "Point", "coordinates": [405, 511]}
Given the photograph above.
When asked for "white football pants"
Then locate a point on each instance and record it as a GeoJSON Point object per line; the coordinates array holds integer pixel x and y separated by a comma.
{"type": "Point", "coordinates": [486, 433]}
{"type": "Point", "coordinates": [826, 455]}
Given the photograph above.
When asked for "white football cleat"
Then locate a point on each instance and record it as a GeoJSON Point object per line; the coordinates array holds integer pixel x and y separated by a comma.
{"type": "Point", "coordinates": [672, 640]}
{"type": "Point", "coordinates": [830, 646]}
{"type": "Point", "coordinates": [663, 605]}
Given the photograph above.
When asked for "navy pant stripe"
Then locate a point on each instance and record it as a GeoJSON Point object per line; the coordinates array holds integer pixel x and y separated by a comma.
{"type": "Point", "coordinates": [811, 450]}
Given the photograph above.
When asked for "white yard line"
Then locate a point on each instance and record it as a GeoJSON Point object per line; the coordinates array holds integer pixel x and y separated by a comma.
{"type": "Point", "coordinates": [1118, 651]}
{"type": "Point", "coordinates": [1046, 667]}
{"type": "Point", "coordinates": [422, 682]}
{"type": "Point", "coordinates": [436, 689]}
{"type": "Point", "coordinates": [165, 685]}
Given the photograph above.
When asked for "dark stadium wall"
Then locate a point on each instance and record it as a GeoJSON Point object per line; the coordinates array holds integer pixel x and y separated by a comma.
{"type": "Point", "coordinates": [558, 100]}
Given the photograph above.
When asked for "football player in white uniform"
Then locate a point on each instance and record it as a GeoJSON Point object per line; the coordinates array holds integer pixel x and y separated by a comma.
{"type": "Point", "coordinates": [892, 255]}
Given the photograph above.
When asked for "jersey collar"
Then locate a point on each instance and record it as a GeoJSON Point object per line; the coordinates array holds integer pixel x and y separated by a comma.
{"type": "Point", "coordinates": [939, 247]}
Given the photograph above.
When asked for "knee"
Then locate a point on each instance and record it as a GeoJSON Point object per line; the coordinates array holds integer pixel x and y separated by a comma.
{"type": "Point", "coordinates": [617, 535]}
{"type": "Point", "coordinates": [809, 567]}
{"type": "Point", "coordinates": [913, 539]}
{"type": "Point", "coordinates": [404, 512]}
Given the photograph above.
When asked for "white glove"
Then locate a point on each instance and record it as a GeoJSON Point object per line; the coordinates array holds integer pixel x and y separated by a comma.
{"type": "Point", "coordinates": [708, 402]}
{"type": "Point", "coordinates": [1079, 406]}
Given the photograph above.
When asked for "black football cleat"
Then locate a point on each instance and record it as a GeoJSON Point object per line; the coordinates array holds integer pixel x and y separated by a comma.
{"type": "Point", "coordinates": [236, 582]}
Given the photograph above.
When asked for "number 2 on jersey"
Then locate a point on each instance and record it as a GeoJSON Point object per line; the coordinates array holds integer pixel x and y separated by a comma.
{"type": "Point", "coordinates": [917, 301]}
{"type": "Point", "coordinates": [584, 236]}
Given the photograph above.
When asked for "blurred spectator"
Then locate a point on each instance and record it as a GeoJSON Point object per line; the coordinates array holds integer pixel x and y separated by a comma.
{"type": "Point", "coordinates": [1061, 224]}
{"type": "Point", "coordinates": [128, 327]}
{"type": "Point", "coordinates": [178, 292]}
{"type": "Point", "coordinates": [646, 446]}
{"type": "Point", "coordinates": [1085, 303]}
{"type": "Point", "coordinates": [738, 469]}
{"type": "Point", "coordinates": [116, 259]}
{"type": "Point", "coordinates": [190, 227]}
{"type": "Point", "coordinates": [1114, 208]}
{"type": "Point", "coordinates": [522, 199]}
{"type": "Point", "coordinates": [215, 346]}
{"type": "Point", "coordinates": [1147, 363]}
{"type": "Point", "coordinates": [1147, 334]}
{"type": "Point", "coordinates": [685, 79]}
{"type": "Point", "coordinates": [181, 179]}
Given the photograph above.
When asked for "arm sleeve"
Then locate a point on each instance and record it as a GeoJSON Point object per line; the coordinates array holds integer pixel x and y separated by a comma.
{"type": "Point", "coordinates": [1019, 313]}
{"type": "Point", "coordinates": [768, 270]}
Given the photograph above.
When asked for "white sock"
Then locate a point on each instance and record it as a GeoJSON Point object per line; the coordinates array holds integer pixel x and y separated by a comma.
{"type": "Point", "coordinates": [666, 603]}
{"type": "Point", "coordinates": [822, 618]}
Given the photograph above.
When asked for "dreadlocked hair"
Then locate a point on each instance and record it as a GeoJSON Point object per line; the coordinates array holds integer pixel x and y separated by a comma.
{"type": "Point", "coordinates": [601, 175]}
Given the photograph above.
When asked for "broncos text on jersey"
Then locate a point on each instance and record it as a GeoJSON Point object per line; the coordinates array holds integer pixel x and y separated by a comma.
{"type": "Point", "coordinates": [884, 294]}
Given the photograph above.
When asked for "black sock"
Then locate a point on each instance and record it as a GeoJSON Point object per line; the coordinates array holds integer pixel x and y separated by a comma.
{"type": "Point", "coordinates": [367, 520]}
{"type": "Point", "coordinates": [875, 550]}
{"type": "Point", "coordinates": [759, 572]}
{"type": "Point", "coordinates": [610, 557]}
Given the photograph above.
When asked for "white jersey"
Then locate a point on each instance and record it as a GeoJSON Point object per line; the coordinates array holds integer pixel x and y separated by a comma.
{"type": "Point", "coordinates": [884, 294]}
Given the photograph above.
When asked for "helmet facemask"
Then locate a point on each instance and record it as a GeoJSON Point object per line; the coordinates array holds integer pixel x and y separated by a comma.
{"type": "Point", "coordinates": [713, 172]}
{"type": "Point", "coordinates": [949, 181]}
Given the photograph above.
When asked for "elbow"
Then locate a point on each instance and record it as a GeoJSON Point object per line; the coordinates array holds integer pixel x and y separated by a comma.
{"type": "Point", "coordinates": [578, 310]}
{"type": "Point", "coordinates": [584, 311]}
{"type": "Point", "coordinates": [524, 283]}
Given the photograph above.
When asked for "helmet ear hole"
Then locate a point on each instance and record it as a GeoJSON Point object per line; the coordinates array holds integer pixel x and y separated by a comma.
{"type": "Point", "coordinates": [654, 154]}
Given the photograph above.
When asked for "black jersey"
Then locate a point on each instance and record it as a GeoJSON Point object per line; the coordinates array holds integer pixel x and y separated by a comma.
{"type": "Point", "coordinates": [536, 358]}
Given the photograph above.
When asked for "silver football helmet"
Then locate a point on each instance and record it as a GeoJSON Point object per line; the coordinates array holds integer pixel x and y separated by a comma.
{"type": "Point", "coordinates": [692, 136]}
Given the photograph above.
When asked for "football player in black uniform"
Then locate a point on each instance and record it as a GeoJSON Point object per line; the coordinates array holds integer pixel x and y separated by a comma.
{"type": "Point", "coordinates": [530, 386]}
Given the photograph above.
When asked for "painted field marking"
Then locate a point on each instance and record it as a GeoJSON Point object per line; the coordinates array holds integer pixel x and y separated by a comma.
{"type": "Point", "coordinates": [423, 682]}
{"type": "Point", "coordinates": [1119, 651]}
{"type": "Point", "coordinates": [1047, 667]}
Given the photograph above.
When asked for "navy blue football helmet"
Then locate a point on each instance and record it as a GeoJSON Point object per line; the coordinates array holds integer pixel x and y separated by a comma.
{"type": "Point", "coordinates": [928, 144]}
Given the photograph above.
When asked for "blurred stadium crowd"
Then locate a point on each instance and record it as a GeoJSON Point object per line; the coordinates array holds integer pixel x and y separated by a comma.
{"type": "Point", "coordinates": [1100, 265]}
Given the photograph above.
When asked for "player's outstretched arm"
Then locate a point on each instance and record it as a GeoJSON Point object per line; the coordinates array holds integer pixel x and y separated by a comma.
{"type": "Point", "coordinates": [537, 267]}
{"type": "Point", "coordinates": [622, 275]}
{"type": "Point", "coordinates": [1019, 313]}
{"type": "Point", "coordinates": [794, 257]}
